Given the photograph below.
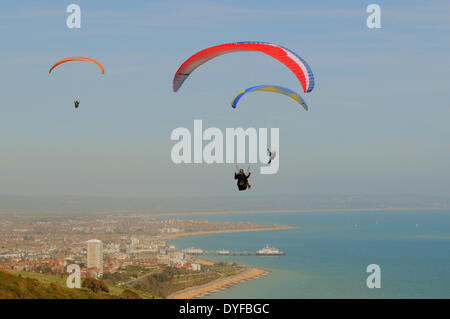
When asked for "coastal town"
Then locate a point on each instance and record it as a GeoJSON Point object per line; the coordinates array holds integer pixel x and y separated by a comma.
{"type": "Point", "coordinates": [121, 249]}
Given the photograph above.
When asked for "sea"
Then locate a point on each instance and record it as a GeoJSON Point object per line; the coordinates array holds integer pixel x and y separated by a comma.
{"type": "Point", "coordinates": [327, 255]}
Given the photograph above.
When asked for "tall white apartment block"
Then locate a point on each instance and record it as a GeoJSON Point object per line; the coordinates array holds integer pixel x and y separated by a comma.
{"type": "Point", "coordinates": [95, 255]}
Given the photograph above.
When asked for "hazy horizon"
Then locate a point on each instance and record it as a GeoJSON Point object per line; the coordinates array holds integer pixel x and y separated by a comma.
{"type": "Point", "coordinates": [215, 204]}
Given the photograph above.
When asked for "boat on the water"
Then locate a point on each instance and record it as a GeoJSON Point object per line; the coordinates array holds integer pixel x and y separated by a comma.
{"type": "Point", "coordinates": [270, 251]}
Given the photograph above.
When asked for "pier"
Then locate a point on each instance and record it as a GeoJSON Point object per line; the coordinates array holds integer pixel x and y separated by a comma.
{"type": "Point", "coordinates": [200, 252]}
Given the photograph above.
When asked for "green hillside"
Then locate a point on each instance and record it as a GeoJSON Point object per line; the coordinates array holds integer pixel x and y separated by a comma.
{"type": "Point", "coordinates": [17, 287]}
{"type": "Point", "coordinates": [28, 285]}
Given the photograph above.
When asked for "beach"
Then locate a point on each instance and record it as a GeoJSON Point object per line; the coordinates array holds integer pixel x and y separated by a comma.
{"type": "Point", "coordinates": [218, 284]}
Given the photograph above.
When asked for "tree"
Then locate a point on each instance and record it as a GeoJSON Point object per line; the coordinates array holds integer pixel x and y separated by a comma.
{"type": "Point", "coordinates": [94, 285]}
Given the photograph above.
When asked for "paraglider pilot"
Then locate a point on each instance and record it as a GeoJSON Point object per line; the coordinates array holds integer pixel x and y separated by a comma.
{"type": "Point", "coordinates": [77, 103]}
{"type": "Point", "coordinates": [271, 155]}
{"type": "Point", "coordinates": [242, 182]}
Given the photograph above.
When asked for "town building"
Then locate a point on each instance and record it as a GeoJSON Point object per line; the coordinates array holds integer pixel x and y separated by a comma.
{"type": "Point", "coordinates": [95, 256]}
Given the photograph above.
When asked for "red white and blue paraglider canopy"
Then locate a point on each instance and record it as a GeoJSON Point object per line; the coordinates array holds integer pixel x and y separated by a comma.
{"type": "Point", "coordinates": [290, 59]}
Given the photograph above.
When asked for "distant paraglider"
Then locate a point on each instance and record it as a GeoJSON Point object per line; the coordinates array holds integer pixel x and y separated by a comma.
{"type": "Point", "coordinates": [77, 58]}
{"type": "Point", "coordinates": [271, 88]}
{"type": "Point", "coordinates": [271, 154]}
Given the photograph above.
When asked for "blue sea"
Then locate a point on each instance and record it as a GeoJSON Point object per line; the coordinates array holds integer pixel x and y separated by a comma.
{"type": "Point", "coordinates": [327, 255]}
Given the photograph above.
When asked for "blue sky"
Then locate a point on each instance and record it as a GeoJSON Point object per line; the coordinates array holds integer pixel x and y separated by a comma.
{"type": "Point", "coordinates": [378, 120]}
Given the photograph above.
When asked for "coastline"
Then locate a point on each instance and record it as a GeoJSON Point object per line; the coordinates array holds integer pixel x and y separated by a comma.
{"type": "Point", "coordinates": [218, 284]}
{"type": "Point", "coordinates": [247, 273]}
{"type": "Point", "coordinates": [177, 235]}
{"type": "Point", "coordinates": [307, 210]}
{"type": "Point", "coordinates": [59, 212]}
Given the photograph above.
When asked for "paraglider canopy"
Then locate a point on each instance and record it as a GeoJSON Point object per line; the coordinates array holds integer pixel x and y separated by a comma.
{"type": "Point", "coordinates": [77, 58]}
{"type": "Point", "coordinates": [287, 57]}
{"type": "Point", "coordinates": [271, 88]}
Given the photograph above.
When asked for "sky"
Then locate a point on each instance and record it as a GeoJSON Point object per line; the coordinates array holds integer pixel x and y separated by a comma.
{"type": "Point", "coordinates": [379, 113]}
